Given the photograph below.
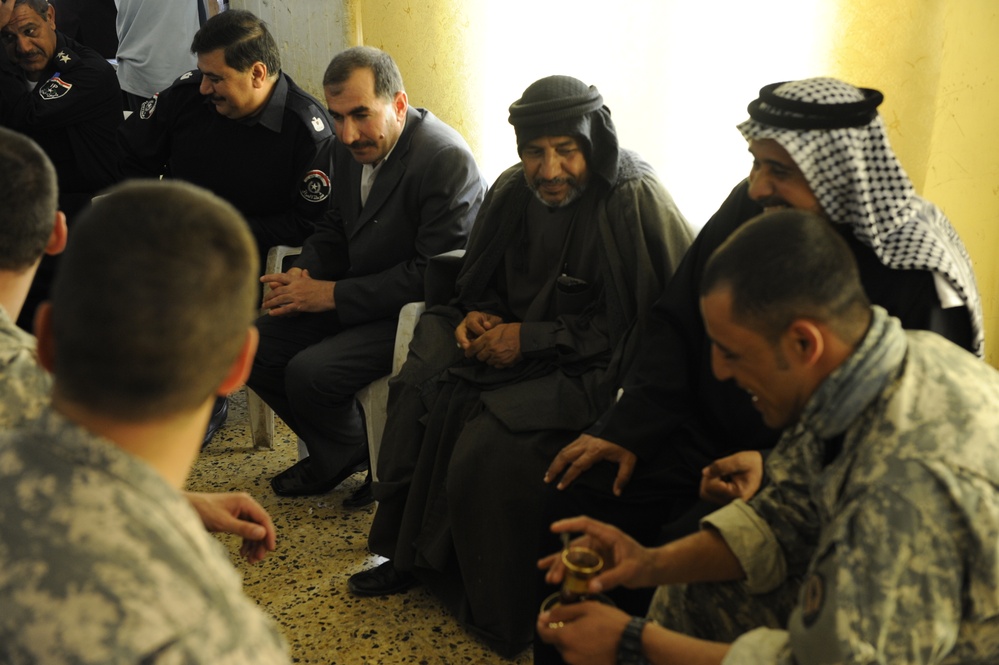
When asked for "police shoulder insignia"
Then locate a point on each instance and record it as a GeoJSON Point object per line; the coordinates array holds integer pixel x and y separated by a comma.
{"type": "Point", "coordinates": [148, 107]}
{"type": "Point", "coordinates": [317, 123]}
{"type": "Point", "coordinates": [315, 186]}
{"type": "Point", "coordinates": [63, 57]}
{"type": "Point", "coordinates": [186, 75]}
{"type": "Point", "coordinates": [54, 88]}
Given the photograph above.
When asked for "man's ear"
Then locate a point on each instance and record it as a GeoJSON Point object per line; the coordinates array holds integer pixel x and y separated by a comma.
{"type": "Point", "coordinates": [241, 366]}
{"type": "Point", "coordinates": [50, 16]}
{"type": "Point", "coordinates": [805, 342]}
{"type": "Point", "coordinates": [258, 71]}
{"type": "Point", "coordinates": [401, 104]}
{"type": "Point", "coordinates": [59, 235]}
{"type": "Point", "coordinates": [43, 331]}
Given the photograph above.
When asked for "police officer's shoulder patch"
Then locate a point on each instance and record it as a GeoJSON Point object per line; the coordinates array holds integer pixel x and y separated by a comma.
{"type": "Point", "coordinates": [315, 186]}
{"type": "Point", "coordinates": [148, 107]}
{"type": "Point", "coordinates": [54, 88]}
{"type": "Point", "coordinates": [308, 111]}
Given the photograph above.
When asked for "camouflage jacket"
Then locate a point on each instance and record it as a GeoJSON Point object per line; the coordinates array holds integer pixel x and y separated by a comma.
{"type": "Point", "coordinates": [885, 499]}
{"type": "Point", "coordinates": [101, 561]}
{"type": "Point", "coordinates": [24, 385]}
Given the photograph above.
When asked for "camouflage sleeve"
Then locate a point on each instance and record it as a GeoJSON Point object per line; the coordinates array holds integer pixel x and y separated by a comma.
{"type": "Point", "coordinates": [753, 543]}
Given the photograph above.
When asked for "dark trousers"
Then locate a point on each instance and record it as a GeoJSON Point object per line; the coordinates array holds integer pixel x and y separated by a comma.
{"type": "Point", "coordinates": [308, 369]}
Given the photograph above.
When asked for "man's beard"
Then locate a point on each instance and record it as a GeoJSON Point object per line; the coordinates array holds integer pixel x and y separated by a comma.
{"type": "Point", "coordinates": [575, 191]}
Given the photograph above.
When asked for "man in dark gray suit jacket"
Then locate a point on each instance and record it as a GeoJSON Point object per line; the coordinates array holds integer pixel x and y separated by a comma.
{"type": "Point", "coordinates": [405, 187]}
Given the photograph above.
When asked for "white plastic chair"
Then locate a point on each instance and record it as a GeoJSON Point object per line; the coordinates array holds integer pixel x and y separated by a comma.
{"type": "Point", "coordinates": [373, 398]}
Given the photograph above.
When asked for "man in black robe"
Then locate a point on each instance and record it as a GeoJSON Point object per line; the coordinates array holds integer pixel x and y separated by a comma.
{"type": "Point", "coordinates": [571, 247]}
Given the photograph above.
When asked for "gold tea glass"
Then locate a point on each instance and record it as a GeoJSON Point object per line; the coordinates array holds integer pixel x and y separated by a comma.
{"type": "Point", "coordinates": [581, 565]}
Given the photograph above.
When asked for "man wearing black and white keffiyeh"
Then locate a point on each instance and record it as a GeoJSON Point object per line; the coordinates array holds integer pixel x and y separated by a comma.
{"type": "Point", "coordinates": [817, 144]}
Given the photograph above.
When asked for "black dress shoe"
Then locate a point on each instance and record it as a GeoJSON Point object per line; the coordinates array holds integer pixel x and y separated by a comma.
{"type": "Point", "coordinates": [302, 479]}
{"type": "Point", "coordinates": [220, 412]}
{"type": "Point", "coordinates": [362, 496]}
{"type": "Point", "coordinates": [382, 580]}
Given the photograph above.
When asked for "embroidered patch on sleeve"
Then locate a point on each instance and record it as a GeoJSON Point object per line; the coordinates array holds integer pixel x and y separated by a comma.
{"type": "Point", "coordinates": [54, 88]}
{"type": "Point", "coordinates": [315, 186]}
{"type": "Point", "coordinates": [148, 107]}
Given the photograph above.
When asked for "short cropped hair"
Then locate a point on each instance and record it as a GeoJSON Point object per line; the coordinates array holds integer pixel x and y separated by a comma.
{"type": "Point", "coordinates": [388, 79]}
{"type": "Point", "coordinates": [244, 38]}
{"type": "Point", "coordinates": [40, 6]}
{"type": "Point", "coordinates": [153, 300]}
{"type": "Point", "coordinates": [29, 194]}
{"type": "Point", "coordinates": [787, 265]}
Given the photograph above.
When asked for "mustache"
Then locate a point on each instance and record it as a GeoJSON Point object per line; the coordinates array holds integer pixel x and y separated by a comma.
{"type": "Point", "coordinates": [356, 145]}
{"type": "Point", "coordinates": [567, 180]}
{"type": "Point", "coordinates": [773, 202]}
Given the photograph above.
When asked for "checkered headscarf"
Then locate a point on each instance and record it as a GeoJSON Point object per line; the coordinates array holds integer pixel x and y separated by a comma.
{"type": "Point", "coordinates": [834, 134]}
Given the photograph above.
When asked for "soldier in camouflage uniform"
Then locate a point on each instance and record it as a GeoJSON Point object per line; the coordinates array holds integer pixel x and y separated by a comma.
{"type": "Point", "coordinates": [876, 539]}
{"type": "Point", "coordinates": [30, 226]}
{"type": "Point", "coordinates": [102, 558]}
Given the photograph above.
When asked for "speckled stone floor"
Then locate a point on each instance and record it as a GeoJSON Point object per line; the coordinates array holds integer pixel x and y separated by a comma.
{"type": "Point", "coordinates": [303, 584]}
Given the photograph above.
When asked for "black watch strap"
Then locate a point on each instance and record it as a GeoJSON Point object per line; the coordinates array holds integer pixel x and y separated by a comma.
{"type": "Point", "coordinates": [629, 649]}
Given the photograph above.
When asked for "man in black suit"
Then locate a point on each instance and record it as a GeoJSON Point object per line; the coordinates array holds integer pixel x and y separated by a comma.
{"type": "Point", "coordinates": [406, 188]}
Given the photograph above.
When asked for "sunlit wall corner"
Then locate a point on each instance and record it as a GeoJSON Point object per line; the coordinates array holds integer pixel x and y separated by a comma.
{"type": "Point", "coordinates": [895, 46]}
{"type": "Point", "coordinates": [963, 161]}
{"type": "Point", "coordinates": [430, 41]}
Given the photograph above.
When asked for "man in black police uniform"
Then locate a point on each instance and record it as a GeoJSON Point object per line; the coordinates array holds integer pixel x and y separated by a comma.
{"type": "Point", "coordinates": [65, 96]}
{"type": "Point", "coordinates": [243, 129]}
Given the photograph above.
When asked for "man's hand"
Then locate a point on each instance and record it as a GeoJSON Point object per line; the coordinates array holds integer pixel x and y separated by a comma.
{"type": "Point", "coordinates": [239, 514]}
{"type": "Point", "coordinates": [294, 292]}
{"type": "Point", "coordinates": [585, 633]}
{"type": "Point", "coordinates": [626, 562]}
{"type": "Point", "coordinates": [737, 476]}
{"type": "Point", "coordinates": [499, 347]}
{"type": "Point", "coordinates": [473, 326]}
{"type": "Point", "coordinates": [586, 451]}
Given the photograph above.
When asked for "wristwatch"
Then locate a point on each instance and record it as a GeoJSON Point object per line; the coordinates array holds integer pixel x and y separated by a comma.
{"type": "Point", "coordinates": [629, 649]}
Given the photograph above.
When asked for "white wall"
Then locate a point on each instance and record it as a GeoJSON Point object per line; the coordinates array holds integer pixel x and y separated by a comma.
{"type": "Point", "coordinates": [308, 33]}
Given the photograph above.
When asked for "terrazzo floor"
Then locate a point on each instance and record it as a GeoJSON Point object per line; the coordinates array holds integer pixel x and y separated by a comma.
{"type": "Point", "coordinates": [303, 583]}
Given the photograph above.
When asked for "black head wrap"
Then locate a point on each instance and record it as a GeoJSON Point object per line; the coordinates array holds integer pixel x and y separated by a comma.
{"type": "Point", "coordinates": [565, 106]}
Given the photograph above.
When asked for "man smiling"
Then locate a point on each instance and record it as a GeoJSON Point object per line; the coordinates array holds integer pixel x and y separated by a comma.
{"type": "Point", "coordinates": [818, 145]}
{"type": "Point", "coordinates": [241, 128]}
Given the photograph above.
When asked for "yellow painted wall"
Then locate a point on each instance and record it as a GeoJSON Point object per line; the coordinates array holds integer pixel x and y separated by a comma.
{"type": "Point", "coordinates": [429, 40]}
{"type": "Point", "coordinates": [936, 62]}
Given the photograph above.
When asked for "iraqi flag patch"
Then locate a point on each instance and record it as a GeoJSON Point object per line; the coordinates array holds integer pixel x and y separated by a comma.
{"type": "Point", "coordinates": [54, 88]}
{"type": "Point", "coordinates": [315, 186]}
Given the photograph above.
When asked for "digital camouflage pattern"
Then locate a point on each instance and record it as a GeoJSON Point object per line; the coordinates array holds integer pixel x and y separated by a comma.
{"type": "Point", "coordinates": [893, 540]}
{"type": "Point", "coordinates": [24, 385]}
{"type": "Point", "coordinates": [101, 561]}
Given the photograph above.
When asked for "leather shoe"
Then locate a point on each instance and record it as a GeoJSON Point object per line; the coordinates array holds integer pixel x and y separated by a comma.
{"type": "Point", "coordinates": [302, 479]}
{"type": "Point", "coordinates": [362, 496]}
{"type": "Point", "coordinates": [382, 580]}
{"type": "Point", "coordinates": [220, 413]}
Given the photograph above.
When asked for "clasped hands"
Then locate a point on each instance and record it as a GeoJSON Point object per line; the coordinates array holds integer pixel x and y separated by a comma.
{"type": "Point", "coordinates": [294, 292]}
{"type": "Point", "coordinates": [486, 338]}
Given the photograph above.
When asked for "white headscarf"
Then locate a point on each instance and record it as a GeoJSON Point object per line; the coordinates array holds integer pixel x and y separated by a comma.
{"type": "Point", "coordinates": [834, 134]}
